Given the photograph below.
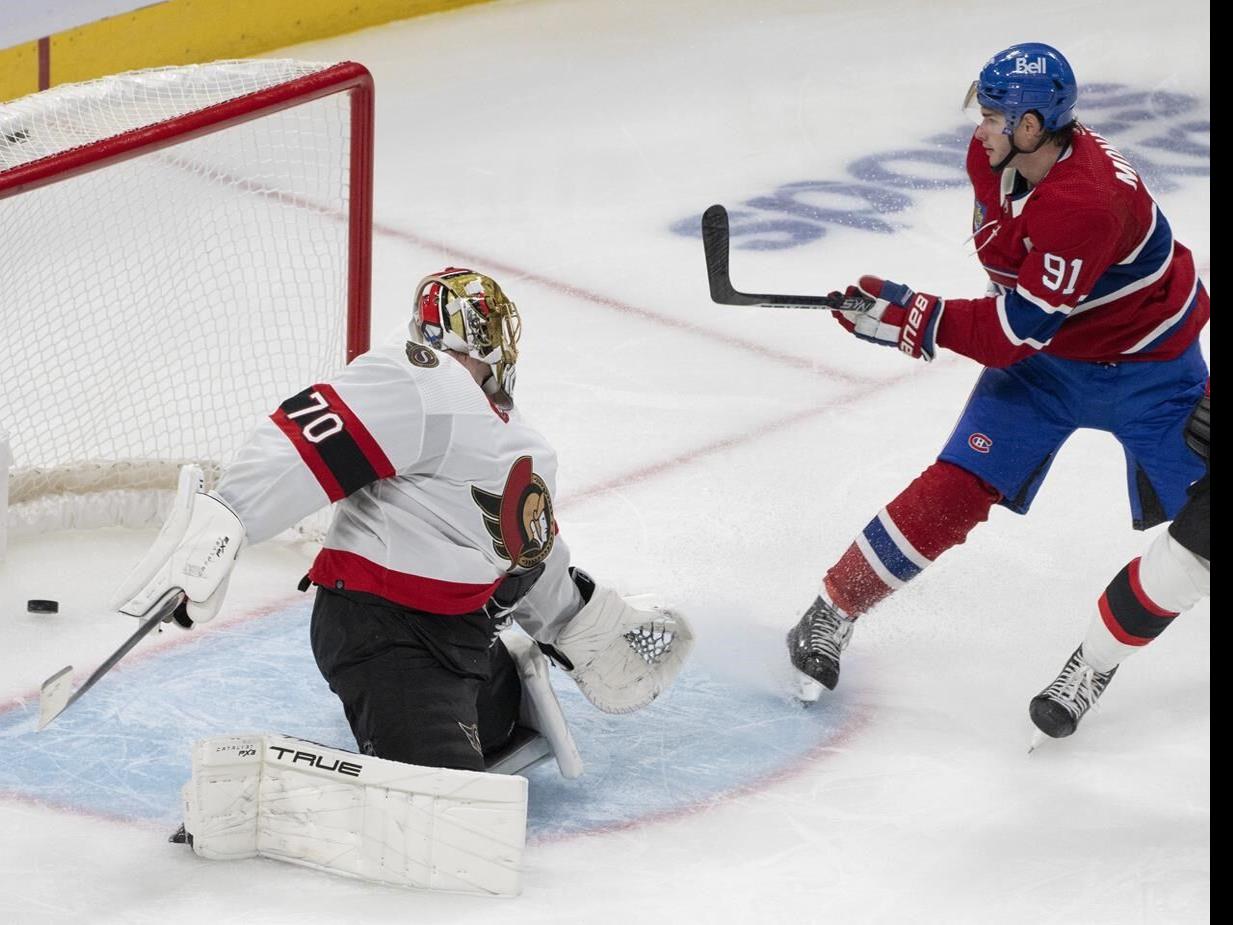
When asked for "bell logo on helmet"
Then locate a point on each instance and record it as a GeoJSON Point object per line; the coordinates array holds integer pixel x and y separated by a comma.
{"type": "Point", "coordinates": [1030, 77]}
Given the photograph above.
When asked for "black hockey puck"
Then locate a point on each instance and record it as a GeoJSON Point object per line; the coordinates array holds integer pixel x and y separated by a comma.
{"type": "Point", "coordinates": [43, 606]}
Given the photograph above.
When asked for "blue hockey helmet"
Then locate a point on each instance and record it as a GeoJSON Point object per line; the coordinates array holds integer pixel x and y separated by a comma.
{"type": "Point", "coordinates": [1026, 78]}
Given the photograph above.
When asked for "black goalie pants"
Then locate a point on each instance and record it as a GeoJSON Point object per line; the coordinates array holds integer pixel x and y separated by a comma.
{"type": "Point", "coordinates": [426, 689]}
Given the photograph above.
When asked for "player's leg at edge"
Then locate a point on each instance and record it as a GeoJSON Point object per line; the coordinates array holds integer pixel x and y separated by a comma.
{"type": "Point", "coordinates": [1139, 604]}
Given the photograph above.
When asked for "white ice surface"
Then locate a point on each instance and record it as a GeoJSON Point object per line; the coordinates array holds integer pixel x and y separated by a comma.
{"type": "Point", "coordinates": [724, 458]}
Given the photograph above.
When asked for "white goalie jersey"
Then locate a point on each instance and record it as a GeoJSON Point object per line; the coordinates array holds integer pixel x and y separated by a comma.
{"type": "Point", "coordinates": [440, 493]}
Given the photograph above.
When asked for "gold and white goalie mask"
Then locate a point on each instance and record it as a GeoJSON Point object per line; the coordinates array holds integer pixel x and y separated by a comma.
{"type": "Point", "coordinates": [464, 311]}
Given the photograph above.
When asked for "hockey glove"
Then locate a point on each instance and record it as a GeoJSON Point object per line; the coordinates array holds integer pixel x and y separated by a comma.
{"type": "Point", "coordinates": [195, 552]}
{"type": "Point", "coordinates": [893, 315]}
{"type": "Point", "coordinates": [621, 658]}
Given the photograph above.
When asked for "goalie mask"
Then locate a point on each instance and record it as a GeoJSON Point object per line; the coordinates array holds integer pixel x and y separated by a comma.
{"type": "Point", "coordinates": [467, 312]}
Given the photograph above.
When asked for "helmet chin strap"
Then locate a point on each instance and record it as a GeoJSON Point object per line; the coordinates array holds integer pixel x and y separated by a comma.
{"type": "Point", "coordinates": [1015, 150]}
{"type": "Point", "coordinates": [1001, 165]}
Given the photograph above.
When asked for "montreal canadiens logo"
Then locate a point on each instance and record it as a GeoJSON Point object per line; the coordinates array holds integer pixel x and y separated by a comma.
{"type": "Point", "coordinates": [980, 443]}
{"type": "Point", "coordinates": [422, 356]}
{"type": "Point", "coordinates": [519, 520]}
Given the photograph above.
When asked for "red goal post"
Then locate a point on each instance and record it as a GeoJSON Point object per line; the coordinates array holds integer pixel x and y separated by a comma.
{"type": "Point", "coordinates": [182, 248]}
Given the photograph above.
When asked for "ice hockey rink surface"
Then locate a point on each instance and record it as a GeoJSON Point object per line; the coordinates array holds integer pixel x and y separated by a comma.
{"type": "Point", "coordinates": [720, 457]}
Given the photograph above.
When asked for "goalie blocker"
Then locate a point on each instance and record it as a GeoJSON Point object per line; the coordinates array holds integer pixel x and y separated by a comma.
{"type": "Point", "coordinates": [194, 552]}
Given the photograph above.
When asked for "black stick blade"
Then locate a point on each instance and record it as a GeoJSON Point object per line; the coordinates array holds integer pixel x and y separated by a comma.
{"type": "Point", "coordinates": [715, 246]}
{"type": "Point", "coordinates": [715, 242]}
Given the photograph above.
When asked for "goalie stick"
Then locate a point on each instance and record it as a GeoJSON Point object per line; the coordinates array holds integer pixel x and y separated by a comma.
{"type": "Point", "coordinates": [715, 244]}
{"type": "Point", "coordinates": [54, 695]}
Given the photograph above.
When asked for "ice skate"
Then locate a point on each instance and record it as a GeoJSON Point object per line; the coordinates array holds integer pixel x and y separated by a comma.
{"type": "Point", "coordinates": [814, 646]}
{"type": "Point", "coordinates": [1057, 710]}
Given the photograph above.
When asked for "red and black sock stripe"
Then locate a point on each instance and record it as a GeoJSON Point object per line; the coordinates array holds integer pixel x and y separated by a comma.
{"type": "Point", "coordinates": [332, 441]}
{"type": "Point", "coordinates": [1129, 614]}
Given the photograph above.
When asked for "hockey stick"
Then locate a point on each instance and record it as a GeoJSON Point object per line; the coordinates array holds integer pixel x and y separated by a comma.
{"type": "Point", "coordinates": [54, 696]}
{"type": "Point", "coordinates": [715, 244]}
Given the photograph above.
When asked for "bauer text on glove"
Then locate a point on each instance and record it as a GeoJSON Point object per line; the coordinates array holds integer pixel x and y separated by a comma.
{"type": "Point", "coordinates": [893, 315]}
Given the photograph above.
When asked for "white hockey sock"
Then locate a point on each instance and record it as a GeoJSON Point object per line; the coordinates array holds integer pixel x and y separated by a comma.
{"type": "Point", "coordinates": [1144, 597]}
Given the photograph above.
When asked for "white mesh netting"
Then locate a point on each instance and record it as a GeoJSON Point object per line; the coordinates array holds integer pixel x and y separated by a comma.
{"type": "Point", "coordinates": [154, 309]}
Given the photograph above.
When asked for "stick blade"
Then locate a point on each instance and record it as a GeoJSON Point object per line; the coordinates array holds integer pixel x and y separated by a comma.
{"type": "Point", "coordinates": [715, 248]}
{"type": "Point", "coordinates": [54, 696]}
{"type": "Point", "coordinates": [715, 244]}
{"type": "Point", "coordinates": [715, 219]}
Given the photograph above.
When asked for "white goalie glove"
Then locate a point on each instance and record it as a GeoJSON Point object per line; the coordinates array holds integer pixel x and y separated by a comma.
{"type": "Point", "coordinates": [621, 658]}
{"type": "Point", "coordinates": [194, 552]}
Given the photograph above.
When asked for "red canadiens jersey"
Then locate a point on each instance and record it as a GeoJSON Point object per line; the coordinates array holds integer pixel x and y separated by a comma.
{"type": "Point", "coordinates": [439, 494]}
{"type": "Point", "coordinates": [1084, 264]}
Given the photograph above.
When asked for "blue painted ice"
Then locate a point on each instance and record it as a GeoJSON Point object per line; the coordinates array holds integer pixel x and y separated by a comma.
{"type": "Point", "coordinates": [123, 749]}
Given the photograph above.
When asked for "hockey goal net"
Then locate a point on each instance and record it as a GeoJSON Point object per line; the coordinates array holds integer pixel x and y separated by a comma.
{"type": "Point", "coordinates": [182, 248]}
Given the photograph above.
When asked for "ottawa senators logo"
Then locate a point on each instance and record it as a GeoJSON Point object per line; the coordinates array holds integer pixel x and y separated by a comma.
{"type": "Point", "coordinates": [519, 520]}
{"type": "Point", "coordinates": [419, 355]}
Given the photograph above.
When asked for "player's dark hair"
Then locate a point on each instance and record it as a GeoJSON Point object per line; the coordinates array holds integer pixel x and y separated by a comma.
{"type": "Point", "coordinates": [1061, 136]}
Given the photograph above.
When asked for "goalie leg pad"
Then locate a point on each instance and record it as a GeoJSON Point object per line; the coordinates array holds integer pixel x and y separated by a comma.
{"type": "Point", "coordinates": [364, 817]}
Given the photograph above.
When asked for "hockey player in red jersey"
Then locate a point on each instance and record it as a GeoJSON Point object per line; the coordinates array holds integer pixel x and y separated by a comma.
{"type": "Point", "coordinates": [1091, 320]}
{"type": "Point", "coordinates": [1140, 603]}
{"type": "Point", "coordinates": [443, 529]}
